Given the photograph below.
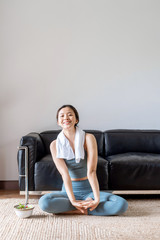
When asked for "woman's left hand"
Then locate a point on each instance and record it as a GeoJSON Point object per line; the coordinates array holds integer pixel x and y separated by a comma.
{"type": "Point", "coordinates": [90, 203]}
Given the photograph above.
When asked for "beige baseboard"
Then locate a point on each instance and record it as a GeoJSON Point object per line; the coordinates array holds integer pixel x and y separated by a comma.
{"type": "Point", "coordinates": [37, 192]}
{"type": "Point", "coordinates": [32, 192]}
{"type": "Point", "coordinates": [137, 192]}
{"type": "Point", "coordinates": [127, 192]}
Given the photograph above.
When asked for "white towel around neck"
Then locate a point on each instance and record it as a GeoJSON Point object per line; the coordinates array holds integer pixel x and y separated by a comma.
{"type": "Point", "coordinates": [64, 149]}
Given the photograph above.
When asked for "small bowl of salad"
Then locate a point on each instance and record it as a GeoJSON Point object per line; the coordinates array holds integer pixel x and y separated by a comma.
{"type": "Point", "coordinates": [23, 211]}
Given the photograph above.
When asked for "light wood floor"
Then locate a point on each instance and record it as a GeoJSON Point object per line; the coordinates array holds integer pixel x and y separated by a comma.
{"type": "Point", "coordinates": [14, 194]}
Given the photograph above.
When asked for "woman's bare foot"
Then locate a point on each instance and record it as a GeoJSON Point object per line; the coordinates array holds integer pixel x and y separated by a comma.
{"type": "Point", "coordinates": [73, 212]}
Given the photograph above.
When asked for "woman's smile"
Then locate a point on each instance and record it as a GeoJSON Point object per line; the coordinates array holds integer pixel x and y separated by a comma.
{"type": "Point", "coordinates": [66, 122]}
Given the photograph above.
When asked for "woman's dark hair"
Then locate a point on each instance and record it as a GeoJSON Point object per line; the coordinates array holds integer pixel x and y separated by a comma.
{"type": "Point", "coordinates": [74, 110]}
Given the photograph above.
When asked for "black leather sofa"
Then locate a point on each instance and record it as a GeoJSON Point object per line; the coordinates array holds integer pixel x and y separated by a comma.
{"type": "Point", "coordinates": [127, 160]}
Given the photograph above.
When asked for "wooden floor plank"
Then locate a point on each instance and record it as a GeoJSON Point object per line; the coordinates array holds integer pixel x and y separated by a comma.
{"type": "Point", "coordinates": [14, 194]}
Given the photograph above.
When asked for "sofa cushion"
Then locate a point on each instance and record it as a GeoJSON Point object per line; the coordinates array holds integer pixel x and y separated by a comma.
{"type": "Point", "coordinates": [123, 141]}
{"type": "Point", "coordinates": [134, 171]}
{"type": "Point", "coordinates": [47, 177]}
{"type": "Point", "coordinates": [102, 173]}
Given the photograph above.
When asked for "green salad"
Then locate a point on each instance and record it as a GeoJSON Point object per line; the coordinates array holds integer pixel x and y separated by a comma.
{"type": "Point", "coordinates": [22, 206]}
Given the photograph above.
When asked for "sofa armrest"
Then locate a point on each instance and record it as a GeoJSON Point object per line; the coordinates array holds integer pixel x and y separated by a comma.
{"type": "Point", "coordinates": [36, 151]}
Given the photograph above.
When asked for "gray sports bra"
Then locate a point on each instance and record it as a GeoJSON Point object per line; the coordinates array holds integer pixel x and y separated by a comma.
{"type": "Point", "coordinates": [77, 170]}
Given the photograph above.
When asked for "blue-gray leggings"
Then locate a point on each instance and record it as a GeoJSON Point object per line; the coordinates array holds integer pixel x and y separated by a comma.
{"type": "Point", "coordinates": [58, 202]}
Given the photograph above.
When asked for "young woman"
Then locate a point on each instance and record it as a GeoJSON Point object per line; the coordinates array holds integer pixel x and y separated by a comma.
{"type": "Point", "coordinates": [74, 153]}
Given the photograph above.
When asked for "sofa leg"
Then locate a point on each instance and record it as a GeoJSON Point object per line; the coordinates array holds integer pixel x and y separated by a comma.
{"type": "Point", "coordinates": [26, 171]}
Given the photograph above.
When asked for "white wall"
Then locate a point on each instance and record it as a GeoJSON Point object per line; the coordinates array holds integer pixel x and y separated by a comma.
{"type": "Point", "coordinates": [101, 56]}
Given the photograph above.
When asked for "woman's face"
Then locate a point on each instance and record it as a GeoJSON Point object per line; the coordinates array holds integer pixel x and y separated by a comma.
{"type": "Point", "coordinates": [67, 118]}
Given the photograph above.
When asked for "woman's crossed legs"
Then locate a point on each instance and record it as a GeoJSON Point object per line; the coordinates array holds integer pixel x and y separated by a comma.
{"type": "Point", "coordinates": [58, 202]}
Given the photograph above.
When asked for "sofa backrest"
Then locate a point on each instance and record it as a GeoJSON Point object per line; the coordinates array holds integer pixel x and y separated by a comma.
{"type": "Point", "coordinates": [100, 140]}
{"type": "Point", "coordinates": [123, 141]}
{"type": "Point", "coordinates": [48, 136]}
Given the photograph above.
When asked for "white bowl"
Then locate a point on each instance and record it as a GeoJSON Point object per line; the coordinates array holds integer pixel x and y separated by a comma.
{"type": "Point", "coordinates": [24, 213]}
